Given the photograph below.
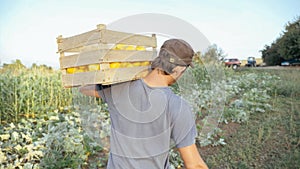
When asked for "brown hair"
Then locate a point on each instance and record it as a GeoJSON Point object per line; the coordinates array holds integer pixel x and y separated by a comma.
{"type": "Point", "coordinates": [173, 52]}
{"type": "Point", "coordinates": [162, 64]}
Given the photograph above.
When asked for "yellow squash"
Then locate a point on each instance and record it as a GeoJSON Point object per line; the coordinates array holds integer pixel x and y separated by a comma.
{"type": "Point", "coordinates": [140, 48]}
{"type": "Point", "coordinates": [94, 67]}
{"type": "Point", "coordinates": [70, 70]}
{"type": "Point", "coordinates": [114, 65]}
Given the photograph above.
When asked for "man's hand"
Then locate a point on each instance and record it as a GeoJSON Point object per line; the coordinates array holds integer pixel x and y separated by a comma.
{"type": "Point", "coordinates": [192, 158]}
{"type": "Point", "coordinates": [89, 90]}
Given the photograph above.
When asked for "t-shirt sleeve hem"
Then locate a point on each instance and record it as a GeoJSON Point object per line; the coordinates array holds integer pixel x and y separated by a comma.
{"type": "Point", "coordinates": [185, 144]}
{"type": "Point", "coordinates": [189, 139]}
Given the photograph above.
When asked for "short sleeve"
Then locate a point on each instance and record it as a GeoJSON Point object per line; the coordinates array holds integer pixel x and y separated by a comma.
{"type": "Point", "coordinates": [183, 124]}
{"type": "Point", "coordinates": [103, 91]}
{"type": "Point", "coordinates": [189, 139]}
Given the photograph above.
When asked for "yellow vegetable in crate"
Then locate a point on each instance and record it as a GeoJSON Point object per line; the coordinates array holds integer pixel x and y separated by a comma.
{"type": "Point", "coordinates": [83, 68]}
{"type": "Point", "coordinates": [70, 70]}
{"type": "Point", "coordinates": [80, 69]}
{"type": "Point", "coordinates": [140, 48]}
{"type": "Point", "coordinates": [146, 63]}
{"type": "Point", "coordinates": [130, 65]}
{"type": "Point", "coordinates": [120, 47]}
{"type": "Point", "coordinates": [130, 47]}
{"type": "Point", "coordinates": [94, 67]}
{"type": "Point", "coordinates": [124, 64]}
{"type": "Point", "coordinates": [136, 63]}
{"type": "Point", "coordinates": [77, 70]}
{"type": "Point", "coordinates": [115, 65]}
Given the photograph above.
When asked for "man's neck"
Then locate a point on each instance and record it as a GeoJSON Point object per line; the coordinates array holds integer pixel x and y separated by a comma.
{"type": "Point", "coordinates": [156, 78]}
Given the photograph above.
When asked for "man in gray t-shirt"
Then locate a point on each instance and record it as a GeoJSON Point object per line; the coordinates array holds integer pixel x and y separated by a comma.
{"type": "Point", "coordinates": [147, 118]}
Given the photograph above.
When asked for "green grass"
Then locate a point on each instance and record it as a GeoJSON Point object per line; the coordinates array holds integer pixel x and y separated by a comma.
{"type": "Point", "coordinates": [267, 140]}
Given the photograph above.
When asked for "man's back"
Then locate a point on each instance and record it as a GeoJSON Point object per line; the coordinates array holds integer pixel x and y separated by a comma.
{"type": "Point", "coordinates": [144, 119]}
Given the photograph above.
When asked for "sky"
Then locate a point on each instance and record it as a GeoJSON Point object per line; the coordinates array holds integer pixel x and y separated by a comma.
{"type": "Point", "coordinates": [28, 28]}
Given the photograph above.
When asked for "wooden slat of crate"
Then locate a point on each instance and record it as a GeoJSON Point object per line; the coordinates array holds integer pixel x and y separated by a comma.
{"type": "Point", "coordinates": [124, 74]}
{"type": "Point", "coordinates": [84, 48]}
{"type": "Point", "coordinates": [129, 56]}
{"type": "Point", "coordinates": [109, 76]}
{"type": "Point", "coordinates": [77, 41]}
{"type": "Point", "coordinates": [105, 55]}
{"type": "Point", "coordinates": [103, 36]}
{"type": "Point", "coordinates": [109, 36]}
{"type": "Point", "coordinates": [74, 80]}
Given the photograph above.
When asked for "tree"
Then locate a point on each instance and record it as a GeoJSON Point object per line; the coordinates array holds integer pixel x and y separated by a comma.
{"type": "Point", "coordinates": [270, 54]}
{"type": "Point", "coordinates": [214, 53]}
{"type": "Point", "coordinates": [17, 64]}
{"type": "Point", "coordinates": [41, 67]}
{"type": "Point", "coordinates": [287, 46]}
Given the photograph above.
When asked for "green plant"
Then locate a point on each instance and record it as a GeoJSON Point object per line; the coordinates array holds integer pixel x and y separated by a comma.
{"type": "Point", "coordinates": [29, 93]}
{"type": "Point", "coordinates": [64, 145]}
{"type": "Point", "coordinates": [175, 159]}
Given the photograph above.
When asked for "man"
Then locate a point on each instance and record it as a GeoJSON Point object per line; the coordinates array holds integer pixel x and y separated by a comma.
{"type": "Point", "coordinates": [147, 117]}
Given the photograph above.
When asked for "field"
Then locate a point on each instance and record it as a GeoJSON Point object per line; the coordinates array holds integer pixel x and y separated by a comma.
{"type": "Point", "coordinates": [41, 121]}
{"type": "Point", "coordinates": [267, 140]}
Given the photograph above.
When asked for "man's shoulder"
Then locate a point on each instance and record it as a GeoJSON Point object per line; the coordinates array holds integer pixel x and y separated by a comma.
{"type": "Point", "coordinates": [128, 83]}
{"type": "Point", "coordinates": [176, 98]}
{"type": "Point", "coordinates": [176, 102]}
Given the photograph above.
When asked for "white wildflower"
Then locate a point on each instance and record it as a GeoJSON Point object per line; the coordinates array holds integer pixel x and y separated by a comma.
{"type": "Point", "coordinates": [34, 154]}
{"type": "Point", "coordinates": [18, 147]}
{"type": "Point", "coordinates": [28, 166]}
{"type": "Point", "coordinates": [15, 136]}
{"type": "Point", "coordinates": [26, 137]}
{"type": "Point", "coordinates": [29, 147]}
{"type": "Point", "coordinates": [11, 125]}
{"type": "Point", "coordinates": [2, 157]}
{"type": "Point", "coordinates": [17, 163]}
{"type": "Point", "coordinates": [4, 137]}
{"type": "Point", "coordinates": [53, 118]}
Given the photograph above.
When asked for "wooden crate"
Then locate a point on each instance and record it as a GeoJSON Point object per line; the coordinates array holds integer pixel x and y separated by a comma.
{"type": "Point", "coordinates": [103, 56]}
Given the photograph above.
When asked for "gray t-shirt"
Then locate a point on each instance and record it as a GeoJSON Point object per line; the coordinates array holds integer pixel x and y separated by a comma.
{"type": "Point", "coordinates": [145, 123]}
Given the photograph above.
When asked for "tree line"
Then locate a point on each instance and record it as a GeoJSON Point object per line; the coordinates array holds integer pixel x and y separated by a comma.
{"type": "Point", "coordinates": [285, 47]}
{"type": "Point", "coordinates": [17, 64]}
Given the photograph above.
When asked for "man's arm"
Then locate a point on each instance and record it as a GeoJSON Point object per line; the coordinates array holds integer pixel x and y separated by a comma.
{"type": "Point", "coordinates": [89, 90]}
{"type": "Point", "coordinates": [192, 158]}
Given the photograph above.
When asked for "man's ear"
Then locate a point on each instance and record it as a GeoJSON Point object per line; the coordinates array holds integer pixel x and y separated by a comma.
{"type": "Point", "coordinates": [177, 71]}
